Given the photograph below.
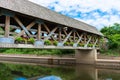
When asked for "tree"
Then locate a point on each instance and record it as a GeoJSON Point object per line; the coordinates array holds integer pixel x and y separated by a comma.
{"type": "Point", "coordinates": [113, 35]}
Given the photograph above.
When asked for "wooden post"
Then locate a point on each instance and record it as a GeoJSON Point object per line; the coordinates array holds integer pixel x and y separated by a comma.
{"type": "Point", "coordinates": [39, 32]}
{"type": "Point", "coordinates": [74, 36]}
{"type": "Point", "coordinates": [60, 34]}
{"type": "Point", "coordinates": [7, 26]}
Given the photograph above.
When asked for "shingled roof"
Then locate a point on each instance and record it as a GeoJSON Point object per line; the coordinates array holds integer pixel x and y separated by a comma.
{"type": "Point", "coordinates": [28, 8]}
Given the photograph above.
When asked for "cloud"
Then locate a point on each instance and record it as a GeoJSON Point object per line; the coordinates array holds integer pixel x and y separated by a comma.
{"type": "Point", "coordinates": [98, 13]}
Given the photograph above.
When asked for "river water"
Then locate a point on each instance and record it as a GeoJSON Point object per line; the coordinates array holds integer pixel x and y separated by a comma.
{"type": "Point", "coordinates": [17, 71]}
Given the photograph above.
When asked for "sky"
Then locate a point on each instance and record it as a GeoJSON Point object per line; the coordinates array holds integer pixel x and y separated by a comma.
{"type": "Point", "coordinates": [98, 13]}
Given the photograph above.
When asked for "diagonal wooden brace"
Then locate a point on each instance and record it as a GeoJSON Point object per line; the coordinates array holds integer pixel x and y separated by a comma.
{"type": "Point", "coordinates": [95, 43]}
{"type": "Point", "coordinates": [28, 28]}
{"type": "Point", "coordinates": [80, 38]}
{"type": "Point", "coordinates": [51, 33]}
{"type": "Point", "coordinates": [88, 42]}
{"type": "Point", "coordinates": [48, 30]}
{"type": "Point", "coordinates": [22, 26]}
{"type": "Point", "coordinates": [67, 37]}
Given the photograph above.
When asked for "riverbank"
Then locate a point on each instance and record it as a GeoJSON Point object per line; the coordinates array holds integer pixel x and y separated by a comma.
{"type": "Point", "coordinates": [101, 62]}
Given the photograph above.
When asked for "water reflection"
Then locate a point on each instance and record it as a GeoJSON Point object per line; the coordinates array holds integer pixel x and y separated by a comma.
{"type": "Point", "coordinates": [34, 72]}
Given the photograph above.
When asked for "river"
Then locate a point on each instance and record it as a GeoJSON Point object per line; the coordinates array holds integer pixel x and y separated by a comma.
{"type": "Point", "coordinates": [18, 71]}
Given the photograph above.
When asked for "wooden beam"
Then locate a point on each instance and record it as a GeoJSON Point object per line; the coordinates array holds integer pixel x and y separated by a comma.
{"type": "Point", "coordinates": [7, 26]}
{"type": "Point", "coordinates": [59, 35]}
{"type": "Point", "coordinates": [22, 26]}
{"type": "Point", "coordinates": [66, 34]}
{"type": "Point", "coordinates": [88, 42]}
{"type": "Point", "coordinates": [74, 35]}
{"type": "Point", "coordinates": [46, 27]}
{"type": "Point", "coordinates": [28, 28]}
{"type": "Point", "coordinates": [39, 32]}
{"type": "Point", "coordinates": [95, 43]}
{"type": "Point", "coordinates": [51, 33]}
{"type": "Point", "coordinates": [48, 30]}
{"type": "Point", "coordinates": [67, 37]}
{"type": "Point", "coordinates": [80, 38]}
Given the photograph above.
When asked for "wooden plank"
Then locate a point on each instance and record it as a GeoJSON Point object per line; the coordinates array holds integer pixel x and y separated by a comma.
{"type": "Point", "coordinates": [22, 26]}
{"type": "Point", "coordinates": [39, 32]}
{"type": "Point", "coordinates": [7, 26]}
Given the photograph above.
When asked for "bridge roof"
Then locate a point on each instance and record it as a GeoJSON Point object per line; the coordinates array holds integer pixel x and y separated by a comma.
{"type": "Point", "coordinates": [31, 9]}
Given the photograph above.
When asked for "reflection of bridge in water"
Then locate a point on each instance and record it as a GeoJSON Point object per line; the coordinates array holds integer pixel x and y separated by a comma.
{"type": "Point", "coordinates": [23, 22]}
{"type": "Point", "coordinates": [88, 72]}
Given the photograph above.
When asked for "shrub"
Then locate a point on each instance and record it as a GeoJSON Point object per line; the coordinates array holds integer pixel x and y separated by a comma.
{"type": "Point", "coordinates": [71, 43]}
{"type": "Point", "coordinates": [66, 43]}
{"type": "Point", "coordinates": [55, 43]}
{"type": "Point", "coordinates": [47, 42]}
{"type": "Point", "coordinates": [31, 40]}
{"type": "Point", "coordinates": [90, 45]}
{"type": "Point", "coordinates": [19, 40]}
{"type": "Point", "coordinates": [80, 44]}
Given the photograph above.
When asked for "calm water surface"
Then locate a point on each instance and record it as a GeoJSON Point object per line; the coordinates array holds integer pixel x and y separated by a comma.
{"type": "Point", "coordinates": [9, 71]}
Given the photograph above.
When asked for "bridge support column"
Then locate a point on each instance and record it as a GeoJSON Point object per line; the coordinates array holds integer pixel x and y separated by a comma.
{"type": "Point", "coordinates": [86, 56]}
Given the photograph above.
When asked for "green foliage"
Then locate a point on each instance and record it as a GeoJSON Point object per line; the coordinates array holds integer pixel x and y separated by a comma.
{"type": "Point", "coordinates": [66, 43]}
{"type": "Point", "coordinates": [19, 39]}
{"type": "Point", "coordinates": [80, 44]}
{"type": "Point", "coordinates": [55, 43]}
{"type": "Point", "coordinates": [90, 45]}
{"type": "Point", "coordinates": [1, 29]}
{"type": "Point", "coordinates": [31, 40]}
{"type": "Point", "coordinates": [113, 35]}
{"type": "Point", "coordinates": [71, 43]}
{"type": "Point", "coordinates": [47, 42]}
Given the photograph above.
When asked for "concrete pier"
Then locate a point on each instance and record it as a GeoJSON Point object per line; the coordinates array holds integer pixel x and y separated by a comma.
{"type": "Point", "coordinates": [86, 56]}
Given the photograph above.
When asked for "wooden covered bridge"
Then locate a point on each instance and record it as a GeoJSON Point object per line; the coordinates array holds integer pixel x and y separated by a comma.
{"type": "Point", "coordinates": [23, 22]}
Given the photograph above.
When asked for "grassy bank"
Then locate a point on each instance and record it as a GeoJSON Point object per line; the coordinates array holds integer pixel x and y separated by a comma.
{"type": "Point", "coordinates": [111, 52]}
{"type": "Point", "coordinates": [37, 51]}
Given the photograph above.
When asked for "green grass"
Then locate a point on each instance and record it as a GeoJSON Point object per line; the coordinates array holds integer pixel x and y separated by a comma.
{"type": "Point", "coordinates": [111, 52]}
{"type": "Point", "coordinates": [37, 51]}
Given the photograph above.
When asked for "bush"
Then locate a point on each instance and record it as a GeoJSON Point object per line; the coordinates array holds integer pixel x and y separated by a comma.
{"type": "Point", "coordinates": [31, 40]}
{"type": "Point", "coordinates": [90, 45]}
{"type": "Point", "coordinates": [66, 43]}
{"type": "Point", "coordinates": [80, 44]}
{"type": "Point", "coordinates": [19, 40]}
{"type": "Point", "coordinates": [71, 43]}
{"type": "Point", "coordinates": [47, 42]}
{"type": "Point", "coordinates": [55, 43]}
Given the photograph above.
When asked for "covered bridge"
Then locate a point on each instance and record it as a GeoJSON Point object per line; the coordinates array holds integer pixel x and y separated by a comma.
{"type": "Point", "coordinates": [24, 22]}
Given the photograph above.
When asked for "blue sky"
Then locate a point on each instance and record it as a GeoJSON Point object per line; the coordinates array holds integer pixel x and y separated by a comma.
{"type": "Point", "coordinates": [98, 13]}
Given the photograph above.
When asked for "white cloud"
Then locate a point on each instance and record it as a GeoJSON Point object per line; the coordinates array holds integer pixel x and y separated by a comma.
{"type": "Point", "coordinates": [88, 10]}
